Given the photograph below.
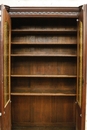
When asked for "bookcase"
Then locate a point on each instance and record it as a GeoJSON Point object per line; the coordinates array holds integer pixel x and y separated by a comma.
{"type": "Point", "coordinates": [45, 62]}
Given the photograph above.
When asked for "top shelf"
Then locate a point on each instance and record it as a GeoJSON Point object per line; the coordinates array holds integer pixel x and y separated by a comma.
{"type": "Point", "coordinates": [44, 31]}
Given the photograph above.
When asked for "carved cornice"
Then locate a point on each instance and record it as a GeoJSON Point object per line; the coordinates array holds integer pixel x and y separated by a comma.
{"type": "Point", "coordinates": [44, 13]}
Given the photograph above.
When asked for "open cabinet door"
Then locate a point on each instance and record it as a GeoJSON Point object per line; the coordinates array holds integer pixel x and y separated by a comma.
{"type": "Point", "coordinates": [5, 69]}
{"type": "Point", "coordinates": [81, 68]}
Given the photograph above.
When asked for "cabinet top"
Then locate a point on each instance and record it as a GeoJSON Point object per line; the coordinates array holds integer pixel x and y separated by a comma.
{"type": "Point", "coordinates": [43, 11]}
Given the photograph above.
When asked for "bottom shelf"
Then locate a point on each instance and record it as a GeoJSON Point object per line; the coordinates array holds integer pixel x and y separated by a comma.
{"type": "Point", "coordinates": [44, 128]}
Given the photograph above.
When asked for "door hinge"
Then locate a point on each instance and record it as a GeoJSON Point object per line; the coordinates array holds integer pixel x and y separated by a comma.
{"type": "Point", "coordinates": [0, 114]}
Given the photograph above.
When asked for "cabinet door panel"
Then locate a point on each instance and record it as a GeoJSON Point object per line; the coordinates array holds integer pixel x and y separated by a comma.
{"type": "Point", "coordinates": [81, 69]}
{"type": "Point", "coordinates": [5, 68]}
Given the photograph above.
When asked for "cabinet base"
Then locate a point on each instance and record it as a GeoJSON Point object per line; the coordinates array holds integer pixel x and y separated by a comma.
{"type": "Point", "coordinates": [44, 128]}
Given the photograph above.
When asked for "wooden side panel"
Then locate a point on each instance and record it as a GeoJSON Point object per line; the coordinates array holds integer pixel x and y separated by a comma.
{"type": "Point", "coordinates": [84, 66]}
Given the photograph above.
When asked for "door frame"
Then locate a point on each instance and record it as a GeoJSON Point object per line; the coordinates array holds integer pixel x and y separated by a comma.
{"type": "Point", "coordinates": [5, 108]}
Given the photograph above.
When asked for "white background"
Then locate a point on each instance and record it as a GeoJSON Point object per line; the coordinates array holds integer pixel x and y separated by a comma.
{"type": "Point", "coordinates": [46, 3]}
{"type": "Point", "coordinates": [43, 2]}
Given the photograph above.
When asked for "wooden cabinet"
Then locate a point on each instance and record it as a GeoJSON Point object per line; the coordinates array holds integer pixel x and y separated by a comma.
{"type": "Point", "coordinates": [43, 68]}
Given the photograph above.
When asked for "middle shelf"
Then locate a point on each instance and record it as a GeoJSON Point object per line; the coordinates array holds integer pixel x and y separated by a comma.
{"type": "Point", "coordinates": [44, 50]}
{"type": "Point", "coordinates": [45, 76]}
{"type": "Point", "coordinates": [43, 86]}
{"type": "Point", "coordinates": [43, 94]}
{"type": "Point", "coordinates": [44, 31]}
{"type": "Point", "coordinates": [42, 55]}
{"type": "Point", "coordinates": [43, 67]}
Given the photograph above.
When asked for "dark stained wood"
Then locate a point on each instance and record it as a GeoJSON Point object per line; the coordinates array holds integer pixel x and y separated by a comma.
{"type": "Point", "coordinates": [44, 39]}
{"type": "Point", "coordinates": [78, 117]}
{"type": "Point", "coordinates": [5, 108]}
{"type": "Point", "coordinates": [44, 50]}
{"type": "Point", "coordinates": [0, 122]}
{"type": "Point", "coordinates": [7, 117]}
{"type": "Point", "coordinates": [80, 110]}
{"type": "Point", "coordinates": [44, 24]}
{"type": "Point", "coordinates": [43, 111]}
{"type": "Point", "coordinates": [66, 12]}
{"type": "Point", "coordinates": [44, 69]}
{"type": "Point", "coordinates": [68, 9]}
{"type": "Point", "coordinates": [44, 128]}
{"type": "Point", "coordinates": [43, 66]}
{"type": "Point", "coordinates": [43, 73]}
{"type": "Point", "coordinates": [83, 110]}
{"type": "Point", "coordinates": [44, 85]}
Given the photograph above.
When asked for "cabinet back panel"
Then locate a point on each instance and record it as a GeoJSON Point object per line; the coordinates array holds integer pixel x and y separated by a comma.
{"type": "Point", "coordinates": [43, 85]}
{"type": "Point", "coordinates": [57, 49]}
{"type": "Point", "coordinates": [43, 66]}
{"type": "Point", "coordinates": [40, 110]}
{"type": "Point", "coordinates": [44, 23]}
{"type": "Point", "coordinates": [44, 128]}
{"type": "Point", "coordinates": [67, 39]}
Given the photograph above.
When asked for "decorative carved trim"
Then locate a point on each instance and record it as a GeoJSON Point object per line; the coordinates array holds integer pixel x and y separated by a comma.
{"type": "Point", "coordinates": [44, 13]}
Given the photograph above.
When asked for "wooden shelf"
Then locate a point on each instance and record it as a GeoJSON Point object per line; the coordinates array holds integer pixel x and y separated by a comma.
{"type": "Point", "coordinates": [42, 94]}
{"type": "Point", "coordinates": [38, 55]}
{"type": "Point", "coordinates": [43, 31]}
{"type": "Point", "coordinates": [41, 43]}
{"type": "Point", "coordinates": [45, 76]}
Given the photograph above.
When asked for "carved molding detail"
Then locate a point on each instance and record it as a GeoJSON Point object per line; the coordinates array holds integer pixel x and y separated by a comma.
{"type": "Point", "coordinates": [43, 13]}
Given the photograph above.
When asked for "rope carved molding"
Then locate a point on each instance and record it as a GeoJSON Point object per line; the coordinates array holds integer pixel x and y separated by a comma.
{"type": "Point", "coordinates": [43, 13]}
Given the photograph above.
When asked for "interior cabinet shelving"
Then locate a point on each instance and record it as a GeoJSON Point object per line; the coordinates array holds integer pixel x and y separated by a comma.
{"type": "Point", "coordinates": [44, 60]}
